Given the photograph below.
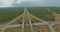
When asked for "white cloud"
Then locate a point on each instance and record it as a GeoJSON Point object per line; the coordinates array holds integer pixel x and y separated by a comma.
{"type": "Point", "coordinates": [6, 3]}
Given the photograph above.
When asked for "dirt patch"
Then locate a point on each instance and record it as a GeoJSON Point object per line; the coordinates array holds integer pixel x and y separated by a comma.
{"type": "Point", "coordinates": [27, 29]}
{"type": "Point", "coordinates": [12, 30]}
{"type": "Point", "coordinates": [57, 28]}
{"type": "Point", "coordinates": [57, 17]}
{"type": "Point", "coordinates": [42, 29]}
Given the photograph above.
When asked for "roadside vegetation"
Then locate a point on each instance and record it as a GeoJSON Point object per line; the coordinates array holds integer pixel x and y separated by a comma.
{"type": "Point", "coordinates": [27, 29]}
{"type": "Point", "coordinates": [57, 27]}
{"type": "Point", "coordinates": [42, 28]}
{"type": "Point", "coordinates": [18, 21]}
{"type": "Point", "coordinates": [12, 30]}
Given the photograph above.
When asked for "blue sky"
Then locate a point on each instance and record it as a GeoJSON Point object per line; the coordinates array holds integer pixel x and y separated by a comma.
{"type": "Point", "coordinates": [8, 3]}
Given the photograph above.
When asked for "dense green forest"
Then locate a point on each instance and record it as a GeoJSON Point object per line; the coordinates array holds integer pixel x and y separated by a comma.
{"type": "Point", "coordinates": [7, 14]}
{"type": "Point", "coordinates": [42, 13]}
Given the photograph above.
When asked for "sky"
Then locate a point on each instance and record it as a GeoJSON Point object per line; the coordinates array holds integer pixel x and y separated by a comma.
{"type": "Point", "coordinates": [49, 2]}
{"type": "Point", "coordinates": [5, 3]}
{"type": "Point", "coordinates": [8, 3]}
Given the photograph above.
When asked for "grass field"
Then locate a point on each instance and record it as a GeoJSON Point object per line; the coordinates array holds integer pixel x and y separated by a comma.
{"type": "Point", "coordinates": [33, 20]}
{"type": "Point", "coordinates": [12, 30]}
{"type": "Point", "coordinates": [42, 13]}
{"type": "Point", "coordinates": [57, 28]}
{"type": "Point", "coordinates": [42, 29]}
{"type": "Point", "coordinates": [18, 21]}
{"type": "Point", "coordinates": [7, 14]}
{"type": "Point", "coordinates": [27, 29]}
{"type": "Point", "coordinates": [26, 19]}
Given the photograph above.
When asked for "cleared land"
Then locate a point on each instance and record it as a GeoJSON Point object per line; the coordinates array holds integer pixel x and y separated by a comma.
{"type": "Point", "coordinates": [57, 17]}
{"type": "Point", "coordinates": [57, 13]}
{"type": "Point", "coordinates": [12, 30]}
{"type": "Point", "coordinates": [57, 28]}
{"type": "Point", "coordinates": [26, 18]}
{"type": "Point", "coordinates": [42, 29]}
{"type": "Point", "coordinates": [26, 29]}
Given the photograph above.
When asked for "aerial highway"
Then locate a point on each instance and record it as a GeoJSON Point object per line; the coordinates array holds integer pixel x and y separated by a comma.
{"type": "Point", "coordinates": [9, 25]}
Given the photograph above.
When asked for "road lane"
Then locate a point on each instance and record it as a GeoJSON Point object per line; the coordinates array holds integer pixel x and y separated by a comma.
{"type": "Point", "coordinates": [51, 27]}
{"type": "Point", "coordinates": [22, 25]}
{"type": "Point", "coordinates": [30, 23]}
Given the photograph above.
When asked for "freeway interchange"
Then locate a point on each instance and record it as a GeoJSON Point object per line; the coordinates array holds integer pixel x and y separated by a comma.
{"type": "Point", "coordinates": [29, 23]}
